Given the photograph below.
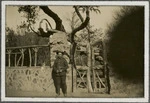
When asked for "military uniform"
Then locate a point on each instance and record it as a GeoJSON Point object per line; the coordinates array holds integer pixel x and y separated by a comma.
{"type": "Point", "coordinates": [59, 74]}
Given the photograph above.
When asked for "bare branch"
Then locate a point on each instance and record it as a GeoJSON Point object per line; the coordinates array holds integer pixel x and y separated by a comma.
{"type": "Point", "coordinates": [81, 18]}
{"type": "Point", "coordinates": [78, 13]}
{"type": "Point", "coordinates": [82, 26]}
{"type": "Point", "coordinates": [33, 30]}
{"type": "Point", "coordinates": [56, 18]}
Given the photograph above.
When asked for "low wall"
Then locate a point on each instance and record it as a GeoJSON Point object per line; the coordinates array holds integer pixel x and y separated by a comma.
{"type": "Point", "coordinates": [32, 79]}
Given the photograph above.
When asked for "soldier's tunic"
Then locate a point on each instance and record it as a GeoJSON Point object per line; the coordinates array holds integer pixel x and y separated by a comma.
{"type": "Point", "coordinates": [59, 74]}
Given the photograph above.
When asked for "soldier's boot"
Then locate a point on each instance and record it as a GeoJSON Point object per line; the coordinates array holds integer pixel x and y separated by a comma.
{"type": "Point", "coordinates": [65, 94]}
{"type": "Point", "coordinates": [58, 94]}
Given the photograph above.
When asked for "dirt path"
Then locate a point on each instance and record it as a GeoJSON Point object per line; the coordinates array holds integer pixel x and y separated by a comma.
{"type": "Point", "coordinates": [81, 93]}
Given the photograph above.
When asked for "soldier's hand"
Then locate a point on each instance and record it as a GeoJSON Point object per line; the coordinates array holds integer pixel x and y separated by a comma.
{"type": "Point", "coordinates": [67, 71]}
{"type": "Point", "coordinates": [60, 70]}
{"type": "Point", "coordinates": [57, 71]}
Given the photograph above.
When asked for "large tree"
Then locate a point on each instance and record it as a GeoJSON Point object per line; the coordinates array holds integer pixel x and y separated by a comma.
{"type": "Point", "coordinates": [31, 14]}
{"type": "Point", "coordinates": [82, 39]}
{"type": "Point", "coordinates": [89, 43]}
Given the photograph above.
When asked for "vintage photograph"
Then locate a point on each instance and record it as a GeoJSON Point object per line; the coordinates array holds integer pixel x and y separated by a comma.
{"type": "Point", "coordinates": [75, 51]}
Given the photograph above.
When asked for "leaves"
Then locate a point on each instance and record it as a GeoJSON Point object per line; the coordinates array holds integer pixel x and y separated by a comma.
{"type": "Point", "coordinates": [31, 12]}
{"type": "Point", "coordinates": [82, 37]}
{"type": "Point", "coordinates": [94, 8]}
{"type": "Point", "coordinates": [125, 46]}
{"type": "Point", "coordinates": [29, 38]}
{"type": "Point", "coordinates": [91, 8]}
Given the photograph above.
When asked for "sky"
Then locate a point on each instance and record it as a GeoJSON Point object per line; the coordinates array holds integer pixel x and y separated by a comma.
{"type": "Point", "coordinates": [14, 18]}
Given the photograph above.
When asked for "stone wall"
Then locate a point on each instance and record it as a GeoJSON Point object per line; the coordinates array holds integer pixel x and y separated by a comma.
{"type": "Point", "coordinates": [32, 79]}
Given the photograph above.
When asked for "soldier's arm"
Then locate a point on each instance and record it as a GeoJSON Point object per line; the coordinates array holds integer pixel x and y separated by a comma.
{"type": "Point", "coordinates": [66, 64]}
{"type": "Point", "coordinates": [55, 66]}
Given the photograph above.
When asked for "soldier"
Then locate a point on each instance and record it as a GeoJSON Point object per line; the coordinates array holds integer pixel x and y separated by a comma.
{"type": "Point", "coordinates": [59, 73]}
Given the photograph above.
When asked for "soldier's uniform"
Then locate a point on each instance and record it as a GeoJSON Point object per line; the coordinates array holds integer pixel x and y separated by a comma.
{"type": "Point", "coordinates": [59, 75]}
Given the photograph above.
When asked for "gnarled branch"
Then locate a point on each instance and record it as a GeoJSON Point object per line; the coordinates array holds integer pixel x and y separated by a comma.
{"type": "Point", "coordinates": [81, 18]}
{"type": "Point", "coordinates": [33, 29]}
{"type": "Point", "coordinates": [82, 26]}
{"type": "Point", "coordinates": [78, 13]}
{"type": "Point", "coordinates": [56, 18]}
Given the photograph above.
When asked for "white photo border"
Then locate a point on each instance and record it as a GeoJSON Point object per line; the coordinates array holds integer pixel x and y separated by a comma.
{"type": "Point", "coordinates": [105, 3]}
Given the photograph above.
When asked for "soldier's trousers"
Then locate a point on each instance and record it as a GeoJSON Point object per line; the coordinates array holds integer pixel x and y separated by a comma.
{"type": "Point", "coordinates": [60, 82]}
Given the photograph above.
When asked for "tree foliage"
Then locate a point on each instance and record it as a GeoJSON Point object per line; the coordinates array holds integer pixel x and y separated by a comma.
{"type": "Point", "coordinates": [18, 39]}
{"type": "Point", "coordinates": [30, 12]}
{"type": "Point", "coordinates": [126, 45]}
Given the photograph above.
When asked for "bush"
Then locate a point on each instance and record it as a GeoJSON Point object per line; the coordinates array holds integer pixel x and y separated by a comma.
{"type": "Point", "coordinates": [14, 40]}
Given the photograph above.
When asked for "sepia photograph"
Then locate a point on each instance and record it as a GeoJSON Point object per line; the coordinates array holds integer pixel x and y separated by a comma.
{"type": "Point", "coordinates": [73, 51]}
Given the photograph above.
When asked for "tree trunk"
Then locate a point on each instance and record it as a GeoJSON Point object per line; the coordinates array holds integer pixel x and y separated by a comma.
{"type": "Point", "coordinates": [89, 52]}
{"type": "Point", "coordinates": [93, 72]}
{"type": "Point", "coordinates": [107, 79]}
{"type": "Point", "coordinates": [73, 65]}
{"type": "Point", "coordinates": [89, 69]}
{"type": "Point", "coordinates": [73, 48]}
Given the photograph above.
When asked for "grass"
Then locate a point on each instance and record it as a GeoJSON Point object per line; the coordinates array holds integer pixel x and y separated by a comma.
{"type": "Point", "coordinates": [129, 88]}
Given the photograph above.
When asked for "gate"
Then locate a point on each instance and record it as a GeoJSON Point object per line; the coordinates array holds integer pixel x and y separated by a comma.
{"type": "Point", "coordinates": [99, 71]}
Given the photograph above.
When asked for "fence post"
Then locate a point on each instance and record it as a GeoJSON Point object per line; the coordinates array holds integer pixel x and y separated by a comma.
{"type": "Point", "coordinates": [9, 53]}
{"type": "Point", "coordinates": [15, 59]}
{"type": "Point", "coordinates": [50, 55]}
{"type": "Point", "coordinates": [35, 56]}
{"type": "Point", "coordinates": [107, 79]}
{"type": "Point", "coordinates": [22, 53]}
{"type": "Point", "coordinates": [30, 57]}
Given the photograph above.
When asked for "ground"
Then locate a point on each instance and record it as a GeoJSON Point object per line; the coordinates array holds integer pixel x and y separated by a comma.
{"type": "Point", "coordinates": [80, 94]}
{"type": "Point", "coordinates": [119, 88]}
{"type": "Point", "coordinates": [121, 91]}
